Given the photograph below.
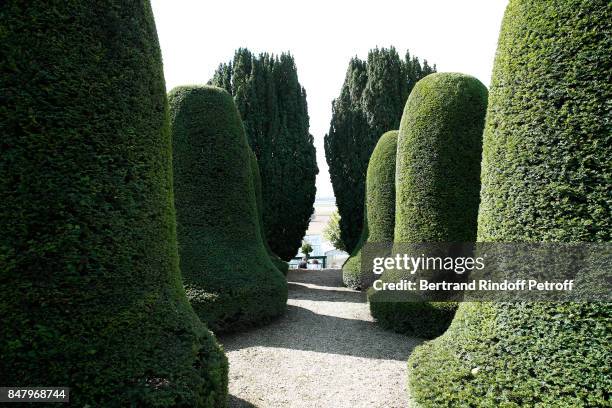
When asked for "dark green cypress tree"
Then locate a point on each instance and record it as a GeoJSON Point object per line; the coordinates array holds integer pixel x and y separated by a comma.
{"type": "Point", "coordinates": [348, 129]}
{"type": "Point", "coordinates": [272, 104]}
{"type": "Point", "coordinates": [278, 263]}
{"type": "Point", "coordinates": [371, 102]}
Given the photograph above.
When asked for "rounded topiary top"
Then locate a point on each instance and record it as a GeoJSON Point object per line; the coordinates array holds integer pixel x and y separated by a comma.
{"type": "Point", "coordinates": [438, 160]}
{"type": "Point", "coordinates": [90, 290]}
{"type": "Point", "coordinates": [379, 209]}
{"type": "Point", "coordinates": [226, 270]}
{"type": "Point", "coordinates": [212, 174]}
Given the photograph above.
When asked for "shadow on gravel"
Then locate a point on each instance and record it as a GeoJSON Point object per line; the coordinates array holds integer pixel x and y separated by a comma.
{"type": "Point", "coordinates": [313, 324]}
{"type": "Point", "coordinates": [235, 402]}
{"type": "Point", "coordinates": [320, 277]}
{"type": "Point", "coordinates": [300, 291]}
{"type": "Point", "coordinates": [302, 329]}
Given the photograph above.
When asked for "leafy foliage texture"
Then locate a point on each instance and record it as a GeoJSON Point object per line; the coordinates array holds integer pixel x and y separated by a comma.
{"type": "Point", "coordinates": [90, 289]}
{"type": "Point", "coordinates": [228, 275]}
{"type": "Point", "coordinates": [379, 223]}
{"type": "Point", "coordinates": [272, 104]}
{"type": "Point", "coordinates": [437, 185]}
{"type": "Point", "coordinates": [545, 178]}
{"type": "Point", "coordinates": [371, 102]}
{"type": "Point", "coordinates": [278, 263]}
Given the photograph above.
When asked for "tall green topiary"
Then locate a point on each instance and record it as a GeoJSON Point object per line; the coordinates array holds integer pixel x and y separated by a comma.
{"type": "Point", "coordinates": [545, 177]}
{"type": "Point", "coordinates": [229, 278]}
{"type": "Point", "coordinates": [437, 185]}
{"type": "Point", "coordinates": [278, 263]}
{"type": "Point", "coordinates": [379, 219]}
{"type": "Point", "coordinates": [90, 290]}
{"type": "Point", "coordinates": [370, 103]}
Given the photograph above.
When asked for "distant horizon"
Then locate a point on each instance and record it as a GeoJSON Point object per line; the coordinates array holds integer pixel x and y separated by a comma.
{"type": "Point", "coordinates": [192, 51]}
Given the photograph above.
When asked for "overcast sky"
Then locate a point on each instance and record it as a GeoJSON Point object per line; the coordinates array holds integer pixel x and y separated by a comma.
{"type": "Point", "coordinates": [196, 36]}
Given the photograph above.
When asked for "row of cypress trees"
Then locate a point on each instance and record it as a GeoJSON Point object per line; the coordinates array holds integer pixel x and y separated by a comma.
{"type": "Point", "coordinates": [272, 105]}
{"type": "Point", "coordinates": [370, 103]}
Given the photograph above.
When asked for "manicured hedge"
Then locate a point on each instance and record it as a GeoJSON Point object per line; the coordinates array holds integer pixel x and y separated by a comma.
{"type": "Point", "coordinates": [545, 177]}
{"type": "Point", "coordinates": [278, 263]}
{"type": "Point", "coordinates": [437, 185]}
{"type": "Point", "coordinates": [229, 278]}
{"type": "Point", "coordinates": [379, 208]}
{"type": "Point", "coordinates": [90, 290]}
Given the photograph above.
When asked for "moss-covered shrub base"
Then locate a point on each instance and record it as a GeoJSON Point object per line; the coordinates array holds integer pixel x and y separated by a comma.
{"type": "Point", "coordinates": [522, 355]}
{"type": "Point", "coordinates": [229, 278]}
{"type": "Point", "coordinates": [426, 320]}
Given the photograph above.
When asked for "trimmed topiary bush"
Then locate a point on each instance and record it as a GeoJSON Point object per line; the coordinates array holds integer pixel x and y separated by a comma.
{"type": "Point", "coordinates": [437, 186]}
{"type": "Point", "coordinates": [229, 278]}
{"type": "Point", "coordinates": [278, 263]}
{"type": "Point", "coordinates": [90, 290]}
{"type": "Point", "coordinates": [379, 208]}
{"type": "Point", "coordinates": [545, 177]}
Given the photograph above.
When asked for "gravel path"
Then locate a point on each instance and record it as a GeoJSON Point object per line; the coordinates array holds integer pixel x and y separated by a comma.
{"type": "Point", "coordinates": [324, 352]}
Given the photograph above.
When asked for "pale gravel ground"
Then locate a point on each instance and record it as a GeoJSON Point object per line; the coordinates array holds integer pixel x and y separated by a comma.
{"type": "Point", "coordinates": [324, 352]}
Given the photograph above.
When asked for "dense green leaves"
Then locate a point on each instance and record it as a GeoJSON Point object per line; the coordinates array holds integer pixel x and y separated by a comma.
{"type": "Point", "coordinates": [545, 177]}
{"type": "Point", "coordinates": [272, 104]}
{"type": "Point", "coordinates": [278, 263]}
{"type": "Point", "coordinates": [379, 220]}
{"type": "Point", "coordinates": [437, 185]}
{"type": "Point", "coordinates": [438, 160]}
{"type": "Point", "coordinates": [229, 278]}
{"type": "Point", "coordinates": [90, 290]}
{"type": "Point", "coordinates": [371, 102]}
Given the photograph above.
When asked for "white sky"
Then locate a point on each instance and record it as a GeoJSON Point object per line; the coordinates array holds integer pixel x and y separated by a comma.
{"type": "Point", "coordinates": [195, 36]}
